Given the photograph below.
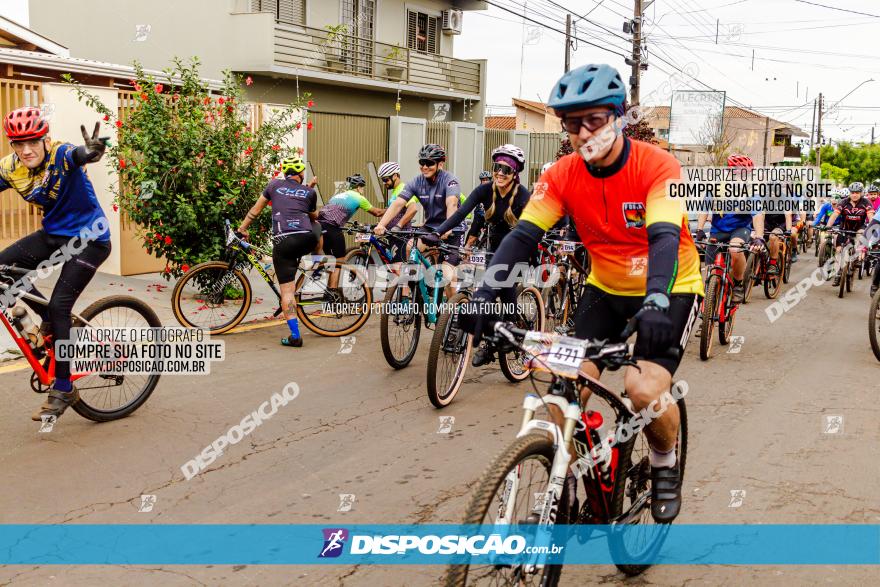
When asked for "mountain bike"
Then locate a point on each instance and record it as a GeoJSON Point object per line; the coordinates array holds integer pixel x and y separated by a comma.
{"type": "Point", "coordinates": [216, 295]}
{"type": "Point", "coordinates": [874, 311]}
{"type": "Point", "coordinates": [412, 300]}
{"type": "Point", "coordinates": [848, 261]}
{"type": "Point", "coordinates": [103, 397]}
{"type": "Point", "coordinates": [451, 347]}
{"type": "Point", "coordinates": [561, 299]}
{"type": "Point", "coordinates": [718, 306]}
{"type": "Point", "coordinates": [371, 251]}
{"type": "Point", "coordinates": [525, 484]}
{"type": "Point", "coordinates": [758, 272]}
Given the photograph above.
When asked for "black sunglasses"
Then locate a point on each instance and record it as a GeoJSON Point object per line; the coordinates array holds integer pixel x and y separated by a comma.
{"type": "Point", "coordinates": [427, 163]}
{"type": "Point", "coordinates": [502, 168]}
{"type": "Point", "coordinates": [591, 122]}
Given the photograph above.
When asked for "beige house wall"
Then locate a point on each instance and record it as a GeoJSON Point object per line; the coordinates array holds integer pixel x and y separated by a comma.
{"type": "Point", "coordinates": [69, 114]}
{"type": "Point", "coordinates": [206, 28]}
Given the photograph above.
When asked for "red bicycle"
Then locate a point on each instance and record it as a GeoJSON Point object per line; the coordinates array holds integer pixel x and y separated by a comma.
{"type": "Point", "coordinates": [718, 306]}
{"type": "Point", "coordinates": [103, 397]}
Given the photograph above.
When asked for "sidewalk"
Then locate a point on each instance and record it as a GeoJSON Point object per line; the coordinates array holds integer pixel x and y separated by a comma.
{"type": "Point", "coordinates": [150, 288]}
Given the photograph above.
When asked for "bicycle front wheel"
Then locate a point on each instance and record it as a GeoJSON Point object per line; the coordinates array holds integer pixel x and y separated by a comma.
{"type": "Point", "coordinates": [506, 495]}
{"type": "Point", "coordinates": [212, 296]}
{"type": "Point", "coordinates": [110, 397]}
{"type": "Point", "coordinates": [874, 325]}
{"type": "Point", "coordinates": [400, 325]}
{"type": "Point", "coordinates": [708, 325]}
{"type": "Point", "coordinates": [750, 277]}
{"type": "Point", "coordinates": [448, 356]}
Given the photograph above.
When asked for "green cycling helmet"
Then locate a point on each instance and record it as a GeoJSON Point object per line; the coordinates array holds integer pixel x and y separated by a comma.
{"type": "Point", "coordinates": [292, 165]}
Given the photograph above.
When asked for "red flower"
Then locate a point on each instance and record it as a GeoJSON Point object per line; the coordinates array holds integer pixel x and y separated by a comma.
{"type": "Point", "coordinates": [248, 151]}
{"type": "Point", "coordinates": [229, 203]}
{"type": "Point", "coordinates": [229, 108]}
{"type": "Point", "coordinates": [175, 97]}
{"type": "Point", "coordinates": [206, 101]}
{"type": "Point", "coordinates": [200, 155]}
{"type": "Point", "coordinates": [243, 182]}
{"type": "Point", "coordinates": [168, 240]}
{"type": "Point", "coordinates": [118, 124]}
{"type": "Point", "coordinates": [275, 174]}
{"type": "Point", "coordinates": [237, 133]}
{"type": "Point", "coordinates": [137, 87]}
{"type": "Point", "coordinates": [217, 184]}
{"type": "Point", "coordinates": [159, 88]}
{"type": "Point", "coordinates": [122, 164]}
{"type": "Point", "coordinates": [276, 147]}
{"type": "Point", "coordinates": [249, 80]}
{"type": "Point", "coordinates": [221, 101]}
{"type": "Point", "coordinates": [115, 208]}
{"type": "Point", "coordinates": [298, 125]}
{"type": "Point", "coordinates": [106, 117]}
{"type": "Point", "coordinates": [309, 125]}
{"type": "Point", "coordinates": [144, 96]}
{"type": "Point", "coordinates": [184, 267]}
{"type": "Point", "coordinates": [311, 103]}
{"type": "Point", "coordinates": [220, 162]}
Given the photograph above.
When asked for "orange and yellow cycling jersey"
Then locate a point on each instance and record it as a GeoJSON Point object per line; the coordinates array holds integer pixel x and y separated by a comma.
{"type": "Point", "coordinates": [612, 215]}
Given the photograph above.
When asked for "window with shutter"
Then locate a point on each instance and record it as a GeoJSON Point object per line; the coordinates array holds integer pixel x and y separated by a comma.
{"type": "Point", "coordinates": [289, 11]}
{"type": "Point", "coordinates": [411, 25]}
{"type": "Point", "coordinates": [421, 32]}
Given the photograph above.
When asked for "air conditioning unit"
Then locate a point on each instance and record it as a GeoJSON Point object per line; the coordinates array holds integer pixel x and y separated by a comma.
{"type": "Point", "coordinates": [452, 22]}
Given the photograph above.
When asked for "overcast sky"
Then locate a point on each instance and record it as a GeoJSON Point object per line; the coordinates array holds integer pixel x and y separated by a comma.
{"type": "Point", "coordinates": [800, 50]}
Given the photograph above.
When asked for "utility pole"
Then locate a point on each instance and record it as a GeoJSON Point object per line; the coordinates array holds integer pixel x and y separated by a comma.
{"type": "Point", "coordinates": [636, 62]}
{"type": "Point", "coordinates": [813, 128]}
{"type": "Point", "coordinates": [766, 134]}
{"type": "Point", "coordinates": [717, 26]}
{"type": "Point", "coordinates": [819, 134]}
{"type": "Point", "coordinates": [872, 133]}
{"type": "Point", "coordinates": [753, 60]}
{"type": "Point", "coordinates": [567, 42]}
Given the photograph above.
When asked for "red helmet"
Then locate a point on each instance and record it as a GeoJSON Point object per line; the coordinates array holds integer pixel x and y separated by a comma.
{"type": "Point", "coordinates": [740, 161]}
{"type": "Point", "coordinates": [23, 124]}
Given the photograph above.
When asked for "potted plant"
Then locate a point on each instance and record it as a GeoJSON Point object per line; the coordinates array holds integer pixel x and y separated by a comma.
{"type": "Point", "coordinates": [333, 46]}
{"type": "Point", "coordinates": [393, 66]}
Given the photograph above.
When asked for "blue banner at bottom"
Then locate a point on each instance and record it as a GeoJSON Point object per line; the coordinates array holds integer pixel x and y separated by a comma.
{"type": "Point", "coordinates": [131, 544]}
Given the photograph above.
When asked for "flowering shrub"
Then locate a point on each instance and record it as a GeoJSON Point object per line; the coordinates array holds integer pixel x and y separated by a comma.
{"type": "Point", "coordinates": [187, 159]}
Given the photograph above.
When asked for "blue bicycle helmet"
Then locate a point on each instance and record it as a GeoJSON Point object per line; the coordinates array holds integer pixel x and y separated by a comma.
{"type": "Point", "coordinates": [586, 86]}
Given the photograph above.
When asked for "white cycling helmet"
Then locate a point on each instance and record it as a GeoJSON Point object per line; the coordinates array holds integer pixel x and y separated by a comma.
{"type": "Point", "coordinates": [547, 166]}
{"type": "Point", "coordinates": [843, 192]}
{"type": "Point", "coordinates": [388, 169]}
{"type": "Point", "coordinates": [511, 151]}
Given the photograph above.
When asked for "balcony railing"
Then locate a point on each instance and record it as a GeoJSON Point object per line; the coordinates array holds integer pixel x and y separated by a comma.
{"type": "Point", "coordinates": [313, 49]}
{"type": "Point", "coordinates": [792, 151]}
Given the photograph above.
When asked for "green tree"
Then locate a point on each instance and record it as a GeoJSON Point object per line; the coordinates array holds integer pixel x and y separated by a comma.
{"type": "Point", "coordinates": [861, 162]}
{"type": "Point", "coordinates": [187, 159]}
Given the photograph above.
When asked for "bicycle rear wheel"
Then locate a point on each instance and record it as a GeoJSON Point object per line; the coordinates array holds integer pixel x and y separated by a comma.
{"type": "Point", "coordinates": [514, 364]}
{"type": "Point", "coordinates": [448, 356]}
{"type": "Point", "coordinates": [212, 296]}
{"type": "Point", "coordinates": [635, 535]}
{"type": "Point", "coordinates": [110, 397]}
{"type": "Point", "coordinates": [844, 272]}
{"type": "Point", "coordinates": [786, 268]}
{"type": "Point", "coordinates": [525, 465]}
{"type": "Point", "coordinates": [337, 312]}
{"type": "Point", "coordinates": [400, 325]}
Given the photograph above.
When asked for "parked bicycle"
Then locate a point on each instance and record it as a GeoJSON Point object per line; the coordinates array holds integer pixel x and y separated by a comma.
{"type": "Point", "coordinates": [216, 295]}
{"type": "Point", "coordinates": [525, 484]}
{"type": "Point", "coordinates": [103, 397]}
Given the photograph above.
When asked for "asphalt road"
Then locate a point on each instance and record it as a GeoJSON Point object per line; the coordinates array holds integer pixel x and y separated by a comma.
{"type": "Point", "coordinates": [757, 422]}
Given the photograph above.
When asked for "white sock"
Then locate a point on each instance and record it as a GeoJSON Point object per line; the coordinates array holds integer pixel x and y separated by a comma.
{"type": "Point", "coordinates": [662, 459]}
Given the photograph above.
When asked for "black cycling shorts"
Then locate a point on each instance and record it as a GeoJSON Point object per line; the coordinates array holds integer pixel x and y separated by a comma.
{"type": "Point", "coordinates": [334, 241]}
{"type": "Point", "coordinates": [604, 316]}
{"type": "Point", "coordinates": [744, 234]}
{"type": "Point", "coordinates": [288, 251]}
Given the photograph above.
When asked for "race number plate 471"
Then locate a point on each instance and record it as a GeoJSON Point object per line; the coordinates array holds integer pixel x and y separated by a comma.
{"type": "Point", "coordinates": [362, 237]}
{"type": "Point", "coordinates": [561, 354]}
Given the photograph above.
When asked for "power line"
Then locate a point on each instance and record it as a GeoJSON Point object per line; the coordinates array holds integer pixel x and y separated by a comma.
{"type": "Point", "coordinates": [840, 9]}
{"type": "Point", "coordinates": [496, 5]}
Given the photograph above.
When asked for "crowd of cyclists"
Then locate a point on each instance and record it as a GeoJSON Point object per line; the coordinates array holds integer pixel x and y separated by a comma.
{"type": "Point", "coordinates": [610, 195]}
